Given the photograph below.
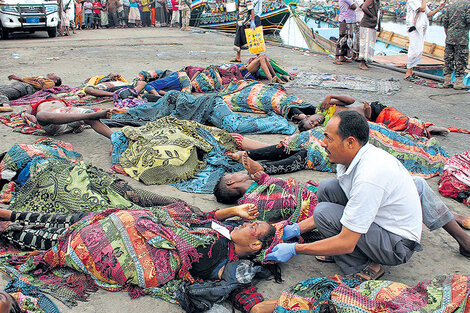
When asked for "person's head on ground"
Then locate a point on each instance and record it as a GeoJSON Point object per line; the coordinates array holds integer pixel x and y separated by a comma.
{"type": "Point", "coordinates": [345, 134]}
{"type": "Point", "coordinates": [8, 304]}
{"type": "Point", "coordinates": [56, 79]}
{"type": "Point", "coordinates": [252, 237]}
{"type": "Point", "coordinates": [231, 187]}
{"type": "Point", "coordinates": [311, 121]}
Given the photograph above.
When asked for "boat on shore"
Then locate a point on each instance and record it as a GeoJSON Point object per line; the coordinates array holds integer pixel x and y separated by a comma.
{"type": "Point", "coordinates": [391, 48]}
{"type": "Point", "coordinates": [215, 15]}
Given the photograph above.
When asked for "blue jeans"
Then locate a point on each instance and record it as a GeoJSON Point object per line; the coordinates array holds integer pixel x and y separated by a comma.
{"type": "Point", "coordinates": [87, 17]}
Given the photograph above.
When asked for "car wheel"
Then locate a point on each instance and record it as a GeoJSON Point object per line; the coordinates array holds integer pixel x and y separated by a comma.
{"type": "Point", "coordinates": [4, 32]}
{"type": "Point", "coordinates": [52, 32]}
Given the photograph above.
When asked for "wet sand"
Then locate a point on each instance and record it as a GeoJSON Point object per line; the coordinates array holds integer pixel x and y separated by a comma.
{"type": "Point", "coordinates": [128, 51]}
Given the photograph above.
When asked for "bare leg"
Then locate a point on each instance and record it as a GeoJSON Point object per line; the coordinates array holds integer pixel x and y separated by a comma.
{"type": "Point", "coordinates": [254, 65]}
{"type": "Point", "coordinates": [97, 93]}
{"type": "Point", "coordinates": [367, 109]}
{"type": "Point", "coordinates": [140, 85]}
{"type": "Point", "coordinates": [266, 69]}
{"type": "Point", "coordinates": [267, 306]}
{"type": "Point", "coordinates": [45, 118]}
{"type": "Point", "coordinates": [250, 144]}
{"type": "Point", "coordinates": [5, 214]}
{"type": "Point", "coordinates": [100, 128]}
{"type": "Point", "coordinates": [454, 229]}
{"type": "Point", "coordinates": [409, 72]}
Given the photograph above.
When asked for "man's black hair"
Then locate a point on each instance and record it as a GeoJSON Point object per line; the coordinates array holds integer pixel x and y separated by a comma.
{"type": "Point", "coordinates": [225, 195]}
{"type": "Point", "coordinates": [58, 81]}
{"type": "Point", "coordinates": [353, 124]}
{"type": "Point", "coordinates": [301, 125]}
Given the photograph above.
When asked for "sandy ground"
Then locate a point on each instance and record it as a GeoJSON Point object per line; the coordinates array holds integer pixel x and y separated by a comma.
{"type": "Point", "coordinates": [127, 51]}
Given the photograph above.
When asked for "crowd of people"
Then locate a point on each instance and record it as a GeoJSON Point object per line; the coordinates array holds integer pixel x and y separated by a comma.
{"type": "Point", "coordinates": [358, 25]}
{"type": "Point", "coordinates": [95, 14]}
{"type": "Point", "coordinates": [71, 227]}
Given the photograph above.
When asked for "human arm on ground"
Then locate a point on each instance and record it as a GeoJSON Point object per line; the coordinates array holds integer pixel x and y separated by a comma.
{"type": "Point", "coordinates": [341, 100]}
{"type": "Point", "coordinates": [267, 306]}
{"type": "Point", "coordinates": [246, 211]}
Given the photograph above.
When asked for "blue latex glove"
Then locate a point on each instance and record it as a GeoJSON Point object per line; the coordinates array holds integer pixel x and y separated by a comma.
{"type": "Point", "coordinates": [282, 252]}
{"type": "Point", "coordinates": [291, 231]}
{"type": "Point", "coordinates": [252, 24]}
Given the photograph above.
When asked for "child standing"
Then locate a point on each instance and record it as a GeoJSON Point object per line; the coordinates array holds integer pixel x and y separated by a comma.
{"type": "Point", "coordinates": [96, 14]}
{"type": "Point", "coordinates": [78, 14]}
{"type": "Point", "coordinates": [87, 13]}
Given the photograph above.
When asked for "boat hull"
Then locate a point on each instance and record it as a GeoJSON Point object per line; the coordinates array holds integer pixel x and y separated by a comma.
{"type": "Point", "coordinates": [272, 18]}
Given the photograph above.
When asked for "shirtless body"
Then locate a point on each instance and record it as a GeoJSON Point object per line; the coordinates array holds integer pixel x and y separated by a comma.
{"type": "Point", "coordinates": [56, 117]}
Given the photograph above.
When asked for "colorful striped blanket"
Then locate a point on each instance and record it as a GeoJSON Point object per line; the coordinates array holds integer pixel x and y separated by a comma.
{"type": "Point", "coordinates": [455, 179]}
{"type": "Point", "coordinates": [128, 250]}
{"type": "Point", "coordinates": [420, 156]}
{"type": "Point", "coordinates": [257, 97]}
{"type": "Point", "coordinates": [335, 294]}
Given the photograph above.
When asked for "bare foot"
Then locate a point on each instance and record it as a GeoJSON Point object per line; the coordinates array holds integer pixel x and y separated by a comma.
{"type": "Point", "coordinates": [251, 165]}
{"type": "Point", "coordinates": [367, 109]}
{"type": "Point", "coordinates": [462, 220]}
{"type": "Point", "coordinates": [236, 156]}
{"type": "Point", "coordinates": [5, 214]}
{"type": "Point", "coordinates": [364, 66]}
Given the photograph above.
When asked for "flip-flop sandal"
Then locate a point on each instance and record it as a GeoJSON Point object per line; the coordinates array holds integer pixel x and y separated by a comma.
{"type": "Point", "coordinates": [368, 274]}
{"type": "Point", "coordinates": [338, 62]}
{"type": "Point", "coordinates": [324, 258]}
{"type": "Point", "coordinates": [347, 61]}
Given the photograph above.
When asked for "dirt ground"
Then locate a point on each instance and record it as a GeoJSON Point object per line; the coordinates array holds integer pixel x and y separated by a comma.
{"type": "Point", "coordinates": [128, 51]}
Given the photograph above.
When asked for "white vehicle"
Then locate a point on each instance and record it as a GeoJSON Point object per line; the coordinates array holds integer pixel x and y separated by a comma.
{"type": "Point", "coordinates": [28, 16]}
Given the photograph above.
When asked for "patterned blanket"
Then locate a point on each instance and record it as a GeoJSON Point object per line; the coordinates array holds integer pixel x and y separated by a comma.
{"type": "Point", "coordinates": [278, 199]}
{"type": "Point", "coordinates": [336, 294]}
{"type": "Point", "coordinates": [170, 151]}
{"type": "Point", "coordinates": [328, 81]}
{"type": "Point", "coordinates": [118, 250]}
{"type": "Point", "coordinates": [420, 156]}
{"type": "Point", "coordinates": [21, 124]}
{"type": "Point", "coordinates": [455, 179]}
{"type": "Point", "coordinates": [205, 109]}
{"type": "Point", "coordinates": [42, 94]}
{"type": "Point", "coordinates": [257, 97]}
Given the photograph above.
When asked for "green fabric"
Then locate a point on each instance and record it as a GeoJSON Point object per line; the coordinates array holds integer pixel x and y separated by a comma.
{"type": "Point", "coordinates": [167, 150]}
{"type": "Point", "coordinates": [277, 69]}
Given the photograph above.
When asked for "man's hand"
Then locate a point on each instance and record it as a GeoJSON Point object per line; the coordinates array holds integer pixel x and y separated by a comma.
{"type": "Point", "coordinates": [291, 231]}
{"type": "Point", "coordinates": [325, 104]}
{"type": "Point", "coordinates": [252, 24]}
{"type": "Point", "coordinates": [11, 77]}
{"type": "Point", "coordinates": [282, 252]}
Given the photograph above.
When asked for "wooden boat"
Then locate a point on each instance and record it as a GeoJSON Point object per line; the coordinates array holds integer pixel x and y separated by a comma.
{"type": "Point", "coordinates": [395, 44]}
{"type": "Point", "coordinates": [274, 16]}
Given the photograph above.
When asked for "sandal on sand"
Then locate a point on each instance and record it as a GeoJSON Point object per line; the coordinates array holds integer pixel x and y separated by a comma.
{"type": "Point", "coordinates": [337, 62]}
{"type": "Point", "coordinates": [324, 258]}
{"type": "Point", "coordinates": [368, 274]}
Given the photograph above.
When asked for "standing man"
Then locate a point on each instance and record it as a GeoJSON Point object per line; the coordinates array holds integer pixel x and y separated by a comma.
{"type": "Point", "coordinates": [125, 5]}
{"type": "Point", "coordinates": [417, 22]}
{"type": "Point", "coordinates": [185, 12]}
{"type": "Point", "coordinates": [359, 15]}
{"type": "Point", "coordinates": [104, 14]}
{"type": "Point", "coordinates": [456, 25]}
{"type": "Point", "coordinates": [370, 214]}
{"type": "Point", "coordinates": [347, 18]}
{"type": "Point", "coordinates": [246, 14]}
{"type": "Point", "coordinates": [367, 32]}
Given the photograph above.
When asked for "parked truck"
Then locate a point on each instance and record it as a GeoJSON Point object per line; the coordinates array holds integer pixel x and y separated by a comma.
{"type": "Point", "coordinates": [28, 16]}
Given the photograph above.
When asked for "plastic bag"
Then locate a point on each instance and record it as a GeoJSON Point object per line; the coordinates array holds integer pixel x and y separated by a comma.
{"type": "Point", "coordinates": [255, 40]}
